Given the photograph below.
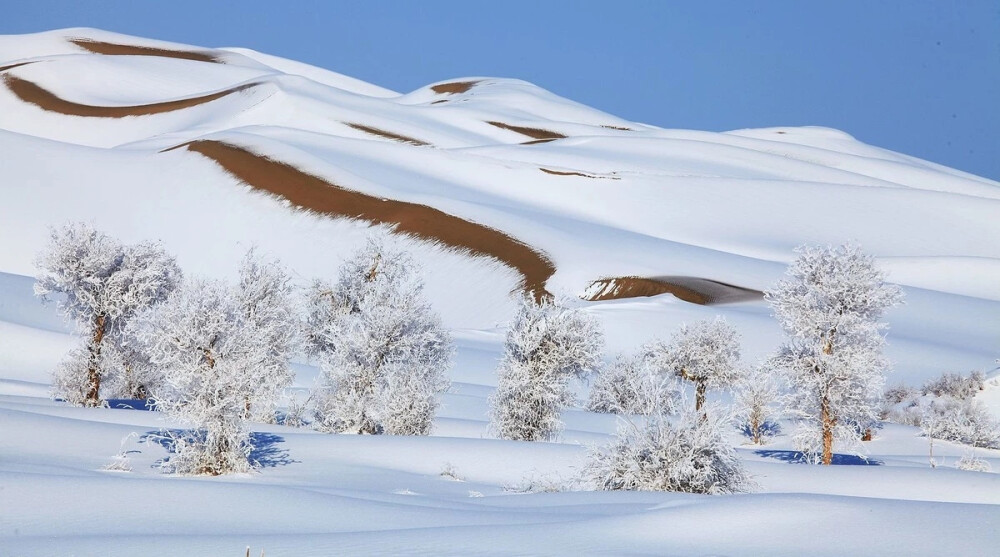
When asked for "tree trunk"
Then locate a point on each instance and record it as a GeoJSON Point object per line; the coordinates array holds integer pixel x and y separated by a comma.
{"type": "Point", "coordinates": [699, 397]}
{"type": "Point", "coordinates": [828, 423]}
{"type": "Point", "coordinates": [755, 427]}
{"type": "Point", "coordinates": [93, 397]}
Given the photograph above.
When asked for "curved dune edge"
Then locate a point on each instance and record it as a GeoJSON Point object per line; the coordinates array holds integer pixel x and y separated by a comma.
{"type": "Point", "coordinates": [534, 133]}
{"type": "Point", "coordinates": [388, 135]}
{"type": "Point", "coordinates": [695, 290]}
{"type": "Point", "coordinates": [454, 87]}
{"type": "Point", "coordinates": [114, 49]}
{"type": "Point", "coordinates": [315, 194]}
{"type": "Point", "coordinates": [32, 93]}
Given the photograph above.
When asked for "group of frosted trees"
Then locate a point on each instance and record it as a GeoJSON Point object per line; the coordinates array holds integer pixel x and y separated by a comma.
{"type": "Point", "coordinates": [831, 369]}
{"type": "Point", "coordinates": [216, 354]}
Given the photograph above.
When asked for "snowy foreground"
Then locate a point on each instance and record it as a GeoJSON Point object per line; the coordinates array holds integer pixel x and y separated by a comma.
{"type": "Point", "coordinates": [609, 198]}
{"type": "Point", "coordinates": [457, 492]}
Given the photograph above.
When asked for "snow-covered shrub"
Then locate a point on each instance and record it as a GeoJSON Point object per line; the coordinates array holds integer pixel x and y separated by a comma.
{"type": "Point", "coordinates": [547, 345]}
{"type": "Point", "coordinates": [631, 386]}
{"type": "Point", "coordinates": [961, 421]}
{"type": "Point", "coordinates": [102, 284]}
{"type": "Point", "coordinates": [382, 348]}
{"type": "Point", "coordinates": [956, 385]}
{"type": "Point", "coordinates": [210, 356]}
{"type": "Point", "coordinates": [265, 293]}
{"type": "Point", "coordinates": [706, 353]}
{"type": "Point", "coordinates": [829, 306]}
{"type": "Point", "coordinates": [755, 396]}
{"type": "Point", "coordinates": [971, 463]}
{"type": "Point", "coordinates": [690, 456]}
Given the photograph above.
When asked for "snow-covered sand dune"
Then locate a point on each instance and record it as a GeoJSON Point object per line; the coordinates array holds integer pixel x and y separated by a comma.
{"type": "Point", "coordinates": [494, 185]}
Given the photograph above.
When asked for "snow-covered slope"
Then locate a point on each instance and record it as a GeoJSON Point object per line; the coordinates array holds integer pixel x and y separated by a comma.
{"type": "Point", "coordinates": [494, 184]}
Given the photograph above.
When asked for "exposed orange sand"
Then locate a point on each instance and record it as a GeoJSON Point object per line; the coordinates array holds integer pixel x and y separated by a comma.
{"type": "Point", "coordinates": [454, 87]}
{"type": "Point", "coordinates": [535, 133]}
{"type": "Point", "coordinates": [12, 66]}
{"type": "Point", "coordinates": [690, 289]}
{"type": "Point", "coordinates": [313, 193]}
{"type": "Point", "coordinates": [388, 135]}
{"type": "Point", "coordinates": [31, 93]}
{"type": "Point", "coordinates": [113, 49]}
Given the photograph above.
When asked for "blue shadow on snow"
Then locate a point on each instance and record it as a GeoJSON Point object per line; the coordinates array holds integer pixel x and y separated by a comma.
{"type": "Point", "coordinates": [838, 459]}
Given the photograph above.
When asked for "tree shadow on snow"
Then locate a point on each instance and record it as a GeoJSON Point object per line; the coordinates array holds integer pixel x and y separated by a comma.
{"type": "Point", "coordinates": [768, 430]}
{"type": "Point", "coordinates": [838, 459]}
{"type": "Point", "coordinates": [264, 454]}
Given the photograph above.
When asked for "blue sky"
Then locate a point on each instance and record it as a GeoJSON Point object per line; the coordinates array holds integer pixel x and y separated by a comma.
{"type": "Point", "coordinates": [919, 77]}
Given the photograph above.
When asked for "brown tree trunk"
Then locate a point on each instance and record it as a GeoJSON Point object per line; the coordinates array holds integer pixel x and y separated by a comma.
{"type": "Point", "coordinates": [867, 436]}
{"type": "Point", "coordinates": [755, 429]}
{"type": "Point", "coordinates": [828, 423]}
{"type": "Point", "coordinates": [93, 397]}
{"type": "Point", "coordinates": [699, 396]}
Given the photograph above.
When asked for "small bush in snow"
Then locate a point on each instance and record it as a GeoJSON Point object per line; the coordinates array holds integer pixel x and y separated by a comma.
{"type": "Point", "coordinates": [829, 306]}
{"type": "Point", "coordinates": [631, 386]}
{"type": "Point", "coordinates": [972, 463]}
{"type": "Point", "coordinates": [755, 395]}
{"type": "Point", "coordinates": [689, 456]}
{"type": "Point", "coordinates": [956, 385]}
{"type": "Point", "coordinates": [706, 353]}
{"type": "Point", "coordinates": [897, 402]}
{"type": "Point", "coordinates": [102, 284]}
{"type": "Point", "coordinates": [960, 421]}
{"type": "Point", "coordinates": [547, 345]}
{"type": "Point", "coordinates": [211, 358]}
{"type": "Point", "coordinates": [383, 350]}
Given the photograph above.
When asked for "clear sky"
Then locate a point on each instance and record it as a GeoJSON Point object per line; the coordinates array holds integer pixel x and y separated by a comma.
{"type": "Point", "coordinates": [919, 77]}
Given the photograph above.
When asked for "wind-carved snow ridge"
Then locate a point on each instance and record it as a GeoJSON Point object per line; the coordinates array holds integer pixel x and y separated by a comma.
{"type": "Point", "coordinates": [493, 186]}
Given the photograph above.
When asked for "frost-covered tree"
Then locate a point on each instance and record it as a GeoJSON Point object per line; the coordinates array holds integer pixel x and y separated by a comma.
{"type": "Point", "coordinates": [547, 345]}
{"type": "Point", "coordinates": [829, 305]}
{"type": "Point", "coordinates": [630, 385]}
{"type": "Point", "coordinates": [265, 293]}
{"type": "Point", "coordinates": [101, 284]}
{"type": "Point", "coordinates": [383, 350]}
{"type": "Point", "coordinates": [755, 395]}
{"type": "Point", "coordinates": [209, 354]}
{"type": "Point", "coordinates": [689, 455]}
{"type": "Point", "coordinates": [706, 354]}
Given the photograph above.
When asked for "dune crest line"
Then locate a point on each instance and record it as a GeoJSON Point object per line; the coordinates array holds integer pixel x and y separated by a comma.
{"type": "Point", "coordinates": [316, 194]}
{"type": "Point", "coordinates": [33, 93]}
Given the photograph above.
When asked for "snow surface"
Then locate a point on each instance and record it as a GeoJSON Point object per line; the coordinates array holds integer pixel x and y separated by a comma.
{"type": "Point", "coordinates": [728, 207]}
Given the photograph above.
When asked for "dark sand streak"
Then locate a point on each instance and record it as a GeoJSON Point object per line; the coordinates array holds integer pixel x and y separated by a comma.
{"type": "Point", "coordinates": [315, 194]}
{"type": "Point", "coordinates": [690, 289]}
{"type": "Point", "coordinates": [388, 135]}
{"type": "Point", "coordinates": [113, 49]}
{"type": "Point", "coordinates": [34, 94]}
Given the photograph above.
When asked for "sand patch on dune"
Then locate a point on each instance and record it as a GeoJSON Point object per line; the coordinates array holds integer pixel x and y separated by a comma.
{"type": "Point", "coordinates": [454, 87]}
{"type": "Point", "coordinates": [538, 141]}
{"type": "Point", "coordinates": [316, 194]}
{"type": "Point", "coordinates": [388, 135]}
{"type": "Point", "coordinates": [12, 66]}
{"type": "Point", "coordinates": [32, 93]}
{"type": "Point", "coordinates": [575, 173]}
{"type": "Point", "coordinates": [534, 133]}
{"type": "Point", "coordinates": [564, 173]}
{"type": "Point", "coordinates": [114, 49]}
{"type": "Point", "coordinates": [690, 289]}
